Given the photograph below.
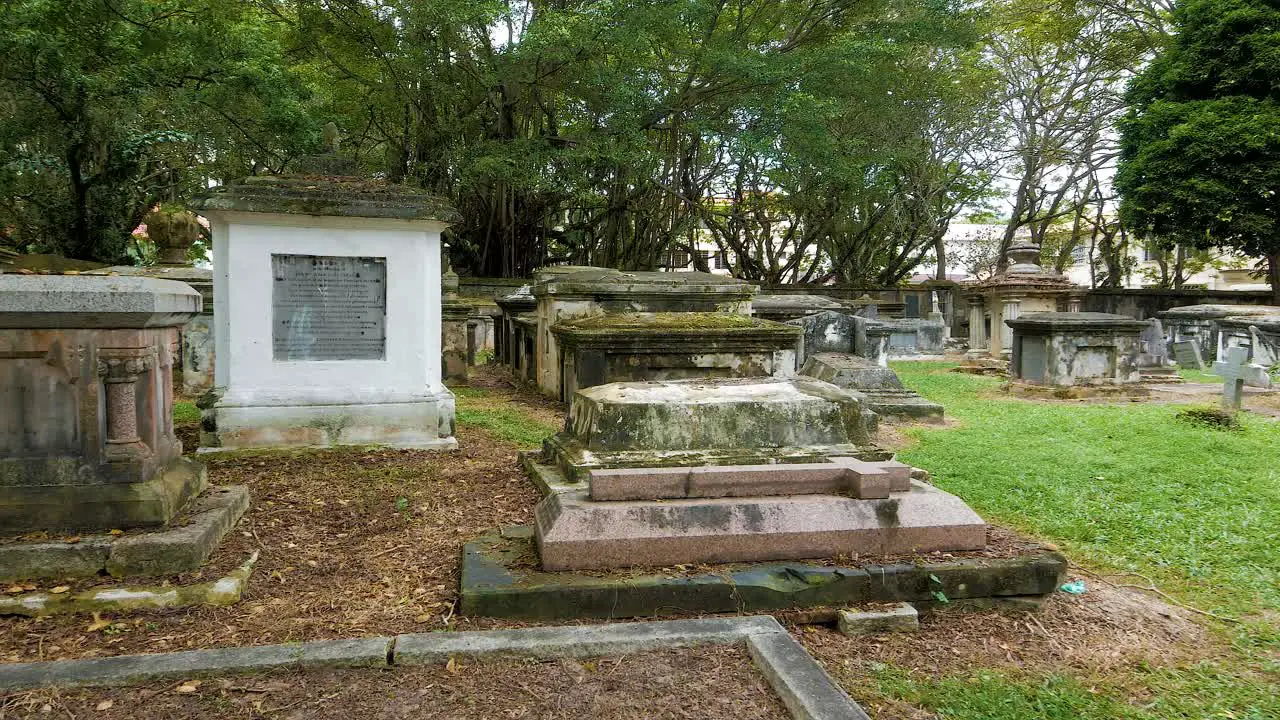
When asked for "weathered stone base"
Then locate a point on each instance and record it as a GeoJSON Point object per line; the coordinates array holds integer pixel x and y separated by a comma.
{"type": "Point", "coordinates": [576, 533]}
{"type": "Point", "coordinates": [169, 551]}
{"type": "Point", "coordinates": [221, 592]}
{"type": "Point", "coordinates": [500, 578]}
{"type": "Point", "coordinates": [905, 404]}
{"type": "Point", "coordinates": [1130, 391]}
{"type": "Point", "coordinates": [426, 424]}
{"type": "Point", "coordinates": [149, 503]}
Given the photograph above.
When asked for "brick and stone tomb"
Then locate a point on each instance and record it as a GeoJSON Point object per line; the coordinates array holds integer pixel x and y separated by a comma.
{"type": "Point", "coordinates": [884, 392]}
{"type": "Point", "coordinates": [86, 426]}
{"type": "Point", "coordinates": [715, 471]}
{"type": "Point", "coordinates": [1076, 349]}
{"type": "Point", "coordinates": [328, 315]}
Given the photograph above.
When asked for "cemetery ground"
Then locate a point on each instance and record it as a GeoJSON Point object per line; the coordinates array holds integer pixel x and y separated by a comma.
{"type": "Point", "coordinates": [357, 543]}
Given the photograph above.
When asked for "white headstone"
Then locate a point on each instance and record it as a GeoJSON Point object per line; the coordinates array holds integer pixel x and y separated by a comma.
{"type": "Point", "coordinates": [1233, 372]}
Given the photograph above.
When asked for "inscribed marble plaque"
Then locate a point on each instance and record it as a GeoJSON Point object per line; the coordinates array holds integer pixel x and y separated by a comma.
{"type": "Point", "coordinates": [329, 307]}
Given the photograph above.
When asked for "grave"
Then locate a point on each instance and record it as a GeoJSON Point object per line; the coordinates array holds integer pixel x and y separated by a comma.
{"type": "Point", "coordinates": [86, 429]}
{"type": "Point", "coordinates": [1260, 336]}
{"type": "Point", "coordinates": [830, 331]}
{"type": "Point", "coordinates": [455, 316]}
{"type": "Point", "coordinates": [883, 390]}
{"type": "Point", "coordinates": [761, 473]}
{"type": "Point", "coordinates": [509, 343]}
{"type": "Point", "coordinates": [600, 349]}
{"type": "Point", "coordinates": [328, 316]}
{"type": "Point", "coordinates": [1233, 371]}
{"type": "Point", "coordinates": [1186, 353]}
{"type": "Point", "coordinates": [1066, 350]}
{"type": "Point", "coordinates": [1023, 288]}
{"type": "Point", "coordinates": [1199, 323]}
{"type": "Point", "coordinates": [710, 422]}
{"type": "Point", "coordinates": [1153, 354]}
{"type": "Point", "coordinates": [569, 293]}
{"type": "Point", "coordinates": [781, 308]}
{"type": "Point", "coordinates": [698, 471]}
{"type": "Point", "coordinates": [913, 337]}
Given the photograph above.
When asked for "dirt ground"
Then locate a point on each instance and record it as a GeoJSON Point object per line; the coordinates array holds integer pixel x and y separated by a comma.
{"type": "Point", "coordinates": [1107, 629]}
{"type": "Point", "coordinates": [352, 542]}
{"type": "Point", "coordinates": [713, 683]}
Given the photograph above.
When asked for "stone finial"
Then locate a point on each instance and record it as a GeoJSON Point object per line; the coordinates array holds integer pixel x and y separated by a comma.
{"type": "Point", "coordinates": [448, 281]}
{"type": "Point", "coordinates": [173, 231]}
{"type": "Point", "coordinates": [1024, 258]}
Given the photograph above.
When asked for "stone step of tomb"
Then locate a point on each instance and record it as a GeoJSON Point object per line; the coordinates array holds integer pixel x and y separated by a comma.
{"type": "Point", "coordinates": [851, 476]}
{"type": "Point", "coordinates": [575, 532]}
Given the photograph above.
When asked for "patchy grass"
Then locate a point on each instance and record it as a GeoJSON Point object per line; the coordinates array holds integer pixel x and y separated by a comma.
{"type": "Point", "coordinates": [1199, 376]}
{"type": "Point", "coordinates": [494, 411]}
{"type": "Point", "coordinates": [185, 412]}
{"type": "Point", "coordinates": [1125, 486]}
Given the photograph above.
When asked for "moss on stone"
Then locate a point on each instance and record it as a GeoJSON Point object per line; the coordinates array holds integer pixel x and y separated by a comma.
{"type": "Point", "coordinates": [691, 322]}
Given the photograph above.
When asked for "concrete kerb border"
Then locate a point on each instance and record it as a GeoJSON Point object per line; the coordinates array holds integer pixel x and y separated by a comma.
{"type": "Point", "coordinates": [801, 683]}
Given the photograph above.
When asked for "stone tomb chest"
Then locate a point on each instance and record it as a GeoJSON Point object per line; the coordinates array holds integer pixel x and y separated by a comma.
{"type": "Point", "coordinates": [86, 402]}
{"type": "Point", "coordinates": [565, 294]}
{"type": "Point", "coordinates": [710, 422]}
{"type": "Point", "coordinates": [328, 314]}
{"type": "Point", "coordinates": [601, 349]}
{"type": "Point", "coordinates": [1070, 349]}
{"type": "Point", "coordinates": [1199, 323]}
{"type": "Point", "coordinates": [698, 471]}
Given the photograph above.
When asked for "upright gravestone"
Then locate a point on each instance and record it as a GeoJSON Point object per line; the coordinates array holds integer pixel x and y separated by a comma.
{"type": "Point", "coordinates": [1187, 354]}
{"type": "Point", "coordinates": [328, 312]}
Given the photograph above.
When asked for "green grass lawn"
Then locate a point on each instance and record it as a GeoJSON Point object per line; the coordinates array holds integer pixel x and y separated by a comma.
{"type": "Point", "coordinates": [1120, 487]}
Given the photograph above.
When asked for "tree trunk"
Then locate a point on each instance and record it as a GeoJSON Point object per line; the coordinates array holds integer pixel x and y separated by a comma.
{"type": "Point", "coordinates": [1273, 276]}
{"type": "Point", "coordinates": [940, 248]}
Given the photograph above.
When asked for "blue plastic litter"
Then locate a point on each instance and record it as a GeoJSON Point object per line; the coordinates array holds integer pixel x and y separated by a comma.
{"type": "Point", "coordinates": [1075, 587]}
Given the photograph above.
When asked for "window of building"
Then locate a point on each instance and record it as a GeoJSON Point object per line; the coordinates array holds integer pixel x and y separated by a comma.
{"type": "Point", "coordinates": [704, 257]}
{"type": "Point", "coordinates": [678, 259]}
{"type": "Point", "coordinates": [722, 260]}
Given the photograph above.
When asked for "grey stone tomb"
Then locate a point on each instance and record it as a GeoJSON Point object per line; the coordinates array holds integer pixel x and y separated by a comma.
{"type": "Point", "coordinates": [883, 390]}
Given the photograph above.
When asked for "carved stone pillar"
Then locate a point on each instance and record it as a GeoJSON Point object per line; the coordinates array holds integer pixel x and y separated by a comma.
{"type": "Point", "coordinates": [120, 370]}
{"type": "Point", "coordinates": [1009, 311]}
{"type": "Point", "coordinates": [977, 323]}
{"type": "Point", "coordinates": [1074, 303]}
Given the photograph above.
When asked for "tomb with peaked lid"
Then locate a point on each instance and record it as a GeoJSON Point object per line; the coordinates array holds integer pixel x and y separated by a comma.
{"type": "Point", "coordinates": [86, 430]}
{"type": "Point", "coordinates": [328, 312]}
{"type": "Point", "coordinates": [1199, 323]}
{"type": "Point", "coordinates": [884, 392]}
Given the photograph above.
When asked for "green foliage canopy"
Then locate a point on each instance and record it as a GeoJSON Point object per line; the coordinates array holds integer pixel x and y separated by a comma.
{"type": "Point", "coordinates": [111, 106]}
{"type": "Point", "coordinates": [1200, 159]}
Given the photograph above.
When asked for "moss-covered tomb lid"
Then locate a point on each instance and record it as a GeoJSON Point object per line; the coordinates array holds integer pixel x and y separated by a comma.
{"type": "Point", "coordinates": [338, 195]}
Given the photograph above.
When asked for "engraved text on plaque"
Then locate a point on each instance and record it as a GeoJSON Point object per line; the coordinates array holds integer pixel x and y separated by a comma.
{"type": "Point", "coordinates": [328, 307]}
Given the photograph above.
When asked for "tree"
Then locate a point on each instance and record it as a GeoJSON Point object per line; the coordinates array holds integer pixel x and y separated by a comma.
{"type": "Point", "coordinates": [1200, 159]}
{"type": "Point", "coordinates": [112, 106]}
{"type": "Point", "coordinates": [1065, 63]}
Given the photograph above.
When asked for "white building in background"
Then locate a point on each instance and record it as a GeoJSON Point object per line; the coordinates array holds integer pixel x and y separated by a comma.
{"type": "Point", "coordinates": [965, 241]}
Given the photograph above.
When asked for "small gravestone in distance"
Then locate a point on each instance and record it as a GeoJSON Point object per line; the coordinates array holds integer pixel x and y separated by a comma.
{"type": "Point", "coordinates": [1187, 354]}
{"type": "Point", "coordinates": [1232, 372]}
